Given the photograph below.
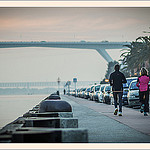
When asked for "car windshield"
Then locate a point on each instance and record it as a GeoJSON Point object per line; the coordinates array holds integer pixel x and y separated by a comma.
{"type": "Point", "coordinates": [97, 88]}
{"type": "Point", "coordinates": [108, 88]}
{"type": "Point", "coordinates": [84, 89]}
{"type": "Point", "coordinates": [102, 88]}
{"type": "Point", "coordinates": [88, 90]}
{"type": "Point", "coordinates": [92, 88]}
{"type": "Point", "coordinates": [133, 86]}
{"type": "Point", "coordinates": [126, 85]}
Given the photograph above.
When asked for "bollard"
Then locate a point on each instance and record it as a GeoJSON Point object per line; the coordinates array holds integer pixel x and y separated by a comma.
{"type": "Point", "coordinates": [51, 122]}
{"type": "Point", "coordinates": [47, 135]}
{"type": "Point", "coordinates": [55, 106]}
{"type": "Point", "coordinates": [8, 129]}
{"type": "Point", "coordinates": [50, 114]}
{"type": "Point", "coordinates": [53, 97]}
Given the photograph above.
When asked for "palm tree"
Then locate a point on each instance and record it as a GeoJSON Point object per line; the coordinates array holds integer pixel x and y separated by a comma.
{"type": "Point", "coordinates": [136, 54]}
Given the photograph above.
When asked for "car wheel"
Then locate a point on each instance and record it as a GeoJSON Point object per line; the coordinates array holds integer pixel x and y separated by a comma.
{"type": "Point", "coordinates": [93, 98]}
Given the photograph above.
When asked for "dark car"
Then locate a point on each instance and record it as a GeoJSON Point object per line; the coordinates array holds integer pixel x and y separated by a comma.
{"type": "Point", "coordinates": [126, 89]}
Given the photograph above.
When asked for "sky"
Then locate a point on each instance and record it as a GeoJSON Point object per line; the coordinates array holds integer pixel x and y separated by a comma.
{"type": "Point", "coordinates": [64, 24]}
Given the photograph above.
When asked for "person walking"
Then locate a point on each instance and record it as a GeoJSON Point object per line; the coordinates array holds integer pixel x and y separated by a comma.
{"type": "Point", "coordinates": [142, 83]}
{"type": "Point", "coordinates": [116, 79]}
{"type": "Point", "coordinates": [64, 91]}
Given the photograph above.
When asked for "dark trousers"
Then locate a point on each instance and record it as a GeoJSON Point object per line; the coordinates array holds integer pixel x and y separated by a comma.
{"type": "Point", "coordinates": [144, 99]}
{"type": "Point", "coordinates": [116, 95]}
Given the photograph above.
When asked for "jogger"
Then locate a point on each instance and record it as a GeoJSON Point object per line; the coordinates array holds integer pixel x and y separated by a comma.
{"type": "Point", "coordinates": [116, 79]}
{"type": "Point", "coordinates": [142, 83]}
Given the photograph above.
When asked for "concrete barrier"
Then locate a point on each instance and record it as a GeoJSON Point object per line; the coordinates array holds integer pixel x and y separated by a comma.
{"type": "Point", "coordinates": [5, 138]}
{"type": "Point", "coordinates": [51, 122]}
{"type": "Point", "coordinates": [53, 97]}
{"type": "Point", "coordinates": [8, 129]}
{"type": "Point", "coordinates": [50, 114]}
{"type": "Point", "coordinates": [47, 135]}
{"type": "Point", "coordinates": [54, 106]}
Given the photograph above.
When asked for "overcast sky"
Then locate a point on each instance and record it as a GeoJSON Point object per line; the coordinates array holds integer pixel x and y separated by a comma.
{"type": "Point", "coordinates": [64, 24]}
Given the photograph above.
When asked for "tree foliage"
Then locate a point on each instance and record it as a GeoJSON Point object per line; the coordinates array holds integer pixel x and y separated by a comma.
{"type": "Point", "coordinates": [136, 55]}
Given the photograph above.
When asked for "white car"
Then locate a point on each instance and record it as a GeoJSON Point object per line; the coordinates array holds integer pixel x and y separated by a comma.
{"type": "Point", "coordinates": [108, 95]}
{"type": "Point", "coordinates": [91, 92]}
{"type": "Point", "coordinates": [100, 93]}
{"type": "Point", "coordinates": [86, 93]}
{"type": "Point", "coordinates": [96, 92]}
{"type": "Point", "coordinates": [133, 95]}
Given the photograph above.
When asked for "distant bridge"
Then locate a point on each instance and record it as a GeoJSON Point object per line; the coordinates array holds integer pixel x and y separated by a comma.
{"type": "Point", "coordinates": [100, 47]}
{"type": "Point", "coordinates": [43, 84]}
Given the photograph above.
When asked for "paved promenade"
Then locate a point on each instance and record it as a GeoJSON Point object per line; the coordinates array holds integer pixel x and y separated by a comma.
{"type": "Point", "coordinates": [104, 127]}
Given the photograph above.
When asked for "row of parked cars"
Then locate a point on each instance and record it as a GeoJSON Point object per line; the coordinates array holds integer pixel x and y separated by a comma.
{"type": "Point", "coordinates": [103, 93]}
{"type": "Point", "coordinates": [98, 92]}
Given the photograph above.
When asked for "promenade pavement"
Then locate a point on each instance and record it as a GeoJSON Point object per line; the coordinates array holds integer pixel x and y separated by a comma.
{"type": "Point", "coordinates": [104, 127]}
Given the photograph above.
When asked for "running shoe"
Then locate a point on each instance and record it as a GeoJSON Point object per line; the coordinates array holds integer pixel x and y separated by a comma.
{"type": "Point", "coordinates": [120, 114]}
{"type": "Point", "coordinates": [142, 108]}
{"type": "Point", "coordinates": [145, 114]}
{"type": "Point", "coordinates": [116, 111]}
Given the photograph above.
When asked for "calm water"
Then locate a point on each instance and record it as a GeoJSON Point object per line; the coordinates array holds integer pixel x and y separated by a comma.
{"type": "Point", "coordinates": [14, 106]}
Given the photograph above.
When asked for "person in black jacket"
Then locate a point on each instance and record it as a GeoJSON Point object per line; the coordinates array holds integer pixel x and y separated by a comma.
{"type": "Point", "coordinates": [116, 79]}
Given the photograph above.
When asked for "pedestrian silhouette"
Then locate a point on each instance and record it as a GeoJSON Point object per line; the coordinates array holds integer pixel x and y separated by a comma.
{"type": "Point", "coordinates": [142, 83]}
{"type": "Point", "coordinates": [64, 91]}
{"type": "Point", "coordinates": [116, 79]}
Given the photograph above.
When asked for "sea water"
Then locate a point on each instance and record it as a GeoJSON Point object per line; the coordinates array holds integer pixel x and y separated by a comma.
{"type": "Point", "coordinates": [14, 106]}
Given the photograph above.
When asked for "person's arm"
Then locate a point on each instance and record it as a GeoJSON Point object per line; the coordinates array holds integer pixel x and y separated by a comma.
{"type": "Point", "coordinates": [124, 79]}
{"type": "Point", "coordinates": [111, 79]}
{"type": "Point", "coordinates": [149, 83]}
{"type": "Point", "coordinates": [138, 83]}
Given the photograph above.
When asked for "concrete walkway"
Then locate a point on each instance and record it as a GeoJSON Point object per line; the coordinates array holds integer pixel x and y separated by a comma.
{"type": "Point", "coordinates": [104, 127]}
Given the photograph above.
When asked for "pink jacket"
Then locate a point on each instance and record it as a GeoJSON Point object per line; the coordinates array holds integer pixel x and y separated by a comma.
{"type": "Point", "coordinates": [142, 83]}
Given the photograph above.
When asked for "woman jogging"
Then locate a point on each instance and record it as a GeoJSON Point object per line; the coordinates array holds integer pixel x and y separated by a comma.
{"type": "Point", "coordinates": [142, 83]}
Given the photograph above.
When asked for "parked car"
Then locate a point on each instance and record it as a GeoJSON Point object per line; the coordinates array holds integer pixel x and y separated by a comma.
{"type": "Point", "coordinates": [73, 92]}
{"type": "Point", "coordinates": [95, 92]}
{"type": "Point", "coordinates": [108, 96]}
{"type": "Point", "coordinates": [79, 93]}
{"type": "Point", "coordinates": [133, 94]}
{"type": "Point", "coordinates": [126, 89]}
{"type": "Point", "coordinates": [82, 92]}
{"type": "Point", "coordinates": [91, 92]}
{"type": "Point", "coordinates": [100, 93]}
{"type": "Point", "coordinates": [86, 93]}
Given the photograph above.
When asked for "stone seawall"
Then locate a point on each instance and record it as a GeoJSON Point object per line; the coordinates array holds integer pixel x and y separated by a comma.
{"type": "Point", "coordinates": [55, 124]}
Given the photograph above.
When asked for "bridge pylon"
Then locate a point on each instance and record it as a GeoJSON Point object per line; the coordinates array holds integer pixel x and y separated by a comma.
{"type": "Point", "coordinates": [104, 54]}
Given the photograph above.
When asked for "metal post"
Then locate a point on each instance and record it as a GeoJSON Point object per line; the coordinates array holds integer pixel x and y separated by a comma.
{"type": "Point", "coordinates": [58, 81]}
{"type": "Point", "coordinates": [75, 81]}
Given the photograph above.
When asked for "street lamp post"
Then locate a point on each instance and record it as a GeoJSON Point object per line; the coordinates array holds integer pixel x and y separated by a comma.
{"type": "Point", "coordinates": [58, 81]}
{"type": "Point", "coordinates": [68, 84]}
{"type": "Point", "coordinates": [75, 82]}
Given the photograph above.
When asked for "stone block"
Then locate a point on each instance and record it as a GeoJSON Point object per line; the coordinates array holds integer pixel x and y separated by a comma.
{"type": "Point", "coordinates": [5, 138]}
{"type": "Point", "coordinates": [53, 97]}
{"type": "Point", "coordinates": [55, 122]}
{"type": "Point", "coordinates": [54, 106]}
{"type": "Point", "coordinates": [50, 135]}
{"type": "Point", "coordinates": [50, 114]}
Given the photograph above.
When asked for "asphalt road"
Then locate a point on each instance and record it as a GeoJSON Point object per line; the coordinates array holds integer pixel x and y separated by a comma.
{"type": "Point", "coordinates": [104, 127]}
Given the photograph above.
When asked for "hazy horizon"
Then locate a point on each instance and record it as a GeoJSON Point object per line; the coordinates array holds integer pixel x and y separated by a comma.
{"type": "Point", "coordinates": [65, 24]}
